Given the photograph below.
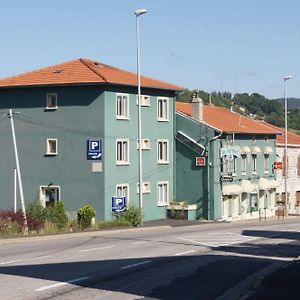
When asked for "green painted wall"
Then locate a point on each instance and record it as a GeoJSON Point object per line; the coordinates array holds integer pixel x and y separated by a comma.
{"type": "Point", "coordinates": [84, 112]}
{"type": "Point", "coordinates": [79, 117]}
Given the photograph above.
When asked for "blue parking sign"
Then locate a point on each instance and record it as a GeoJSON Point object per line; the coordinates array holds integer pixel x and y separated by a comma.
{"type": "Point", "coordinates": [118, 204]}
{"type": "Point", "coordinates": [94, 149]}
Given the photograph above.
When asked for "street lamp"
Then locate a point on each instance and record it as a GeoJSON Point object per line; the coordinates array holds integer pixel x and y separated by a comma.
{"type": "Point", "coordinates": [138, 13]}
{"type": "Point", "coordinates": [285, 78]}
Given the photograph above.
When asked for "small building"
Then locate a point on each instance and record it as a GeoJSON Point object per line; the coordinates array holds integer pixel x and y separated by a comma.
{"type": "Point", "coordinates": [224, 163]}
{"type": "Point", "coordinates": [293, 169]}
{"type": "Point", "coordinates": [77, 136]}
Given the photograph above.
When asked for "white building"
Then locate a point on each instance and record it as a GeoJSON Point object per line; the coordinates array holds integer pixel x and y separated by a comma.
{"type": "Point", "coordinates": [293, 170]}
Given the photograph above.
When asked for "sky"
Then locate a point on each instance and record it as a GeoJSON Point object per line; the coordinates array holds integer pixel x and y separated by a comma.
{"type": "Point", "coordinates": [239, 46]}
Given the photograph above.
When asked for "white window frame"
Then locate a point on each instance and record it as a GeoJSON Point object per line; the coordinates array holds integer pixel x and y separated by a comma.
{"type": "Point", "coordinates": [145, 100]}
{"type": "Point", "coordinates": [162, 151]}
{"type": "Point", "coordinates": [162, 109]}
{"type": "Point", "coordinates": [254, 163]}
{"type": "Point", "coordinates": [122, 190]}
{"type": "Point", "coordinates": [244, 164]}
{"type": "Point", "coordinates": [122, 106]}
{"type": "Point", "coordinates": [145, 144]}
{"type": "Point", "coordinates": [44, 197]}
{"type": "Point", "coordinates": [163, 196]}
{"type": "Point", "coordinates": [122, 154]}
{"type": "Point", "coordinates": [49, 141]}
{"type": "Point", "coordinates": [49, 98]}
{"type": "Point", "coordinates": [266, 163]}
{"type": "Point", "coordinates": [146, 188]}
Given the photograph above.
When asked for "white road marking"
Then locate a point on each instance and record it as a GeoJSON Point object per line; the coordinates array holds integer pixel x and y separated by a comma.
{"type": "Point", "coordinates": [139, 242]}
{"type": "Point", "coordinates": [10, 262]}
{"type": "Point", "coordinates": [182, 253]}
{"type": "Point", "coordinates": [60, 284]}
{"type": "Point", "coordinates": [135, 265]}
{"type": "Point", "coordinates": [96, 249]}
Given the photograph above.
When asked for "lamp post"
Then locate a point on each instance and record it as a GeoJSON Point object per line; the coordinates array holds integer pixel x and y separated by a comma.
{"type": "Point", "coordinates": [285, 78]}
{"type": "Point", "coordinates": [138, 13]}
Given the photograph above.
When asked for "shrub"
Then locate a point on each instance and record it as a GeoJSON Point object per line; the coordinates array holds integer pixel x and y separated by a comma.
{"type": "Point", "coordinates": [57, 215]}
{"type": "Point", "coordinates": [37, 211]}
{"type": "Point", "coordinates": [85, 216]}
{"type": "Point", "coordinates": [130, 215]}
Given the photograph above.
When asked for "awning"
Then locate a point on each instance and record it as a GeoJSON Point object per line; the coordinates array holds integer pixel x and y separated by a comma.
{"type": "Point", "coordinates": [245, 150]}
{"type": "Point", "coordinates": [247, 186]}
{"type": "Point", "coordinates": [232, 189]}
{"type": "Point", "coordinates": [273, 184]}
{"type": "Point", "coordinates": [263, 184]}
{"type": "Point", "coordinates": [268, 150]}
{"type": "Point", "coordinates": [189, 142]}
{"type": "Point", "coordinates": [255, 150]}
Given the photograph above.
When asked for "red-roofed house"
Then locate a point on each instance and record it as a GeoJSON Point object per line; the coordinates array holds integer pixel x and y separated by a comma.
{"type": "Point", "coordinates": [293, 170]}
{"type": "Point", "coordinates": [77, 136]}
{"type": "Point", "coordinates": [224, 162]}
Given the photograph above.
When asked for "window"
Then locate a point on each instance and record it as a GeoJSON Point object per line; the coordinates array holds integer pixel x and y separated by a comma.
{"type": "Point", "coordinates": [163, 193]}
{"type": "Point", "coordinates": [298, 166]}
{"type": "Point", "coordinates": [145, 144]}
{"type": "Point", "coordinates": [253, 202]}
{"type": "Point", "coordinates": [122, 190]}
{"type": "Point", "coordinates": [229, 165]}
{"type": "Point", "coordinates": [244, 164]}
{"type": "Point", "coordinates": [266, 163]}
{"type": "Point", "coordinates": [163, 109]}
{"type": "Point", "coordinates": [162, 151]}
{"type": "Point", "coordinates": [49, 195]}
{"type": "Point", "coordinates": [146, 187]}
{"type": "Point", "coordinates": [122, 106]}
{"type": "Point", "coordinates": [145, 100]}
{"type": "Point", "coordinates": [229, 139]}
{"type": "Point", "coordinates": [122, 149]}
{"type": "Point", "coordinates": [51, 147]}
{"type": "Point", "coordinates": [254, 163]}
{"type": "Point", "coordinates": [51, 101]}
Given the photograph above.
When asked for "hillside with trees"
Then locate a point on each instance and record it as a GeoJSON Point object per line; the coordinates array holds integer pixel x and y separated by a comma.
{"type": "Point", "coordinates": [253, 105]}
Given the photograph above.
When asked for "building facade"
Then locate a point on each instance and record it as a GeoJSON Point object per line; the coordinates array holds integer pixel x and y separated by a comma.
{"type": "Point", "coordinates": [237, 180]}
{"type": "Point", "coordinates": [77, 137]}
{"type": "Point", "coordinates": [293, 170]}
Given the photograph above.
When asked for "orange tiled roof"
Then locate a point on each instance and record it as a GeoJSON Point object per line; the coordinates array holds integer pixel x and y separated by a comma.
{"type": "Point", "coordinates": [226, 120]}
{"type": "Point", "coordinates": [292, 138]}
{"type": "Point", "coordinates": [82, 71]}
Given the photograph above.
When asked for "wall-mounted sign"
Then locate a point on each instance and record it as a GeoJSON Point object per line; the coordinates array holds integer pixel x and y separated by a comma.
{"type": "Point", "coordinates": [278, 165]}
{"type": "Point", "coordinates": [118, 204]}
{"type": "Point", "coordinates": [226, 178]}
{"type": "Point", "coordinates": [94, 150]}
{"type": "Point", "coordinates": [200, 161]}
{"type": "Point", "coordinates": [230, 152]}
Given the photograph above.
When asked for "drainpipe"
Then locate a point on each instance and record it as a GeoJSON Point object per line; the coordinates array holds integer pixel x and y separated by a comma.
{"type": "Point", "coordinates": [208, 165]}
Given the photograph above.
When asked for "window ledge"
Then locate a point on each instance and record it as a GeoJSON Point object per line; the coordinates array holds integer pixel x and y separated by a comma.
{"type": "Point", "coordinates": [51, 108]}
{"type": "Point", "coordinates": [50, 154]}
{"type": "Point", "coordinates": [163, 163]}
{"type": "Point", "coordinates": [123, 163]}
{"type": "Point", "coordinates": [123, 118]}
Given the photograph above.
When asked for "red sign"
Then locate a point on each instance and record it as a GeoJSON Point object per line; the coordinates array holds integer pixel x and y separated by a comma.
{"type": "Point", "coordinates": [200, 161]}
{"type": "Point", "coordinates": [278, 165]}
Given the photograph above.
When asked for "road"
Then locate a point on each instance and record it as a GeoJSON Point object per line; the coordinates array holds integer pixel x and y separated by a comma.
{"type": "Point", "coordinates": [207, 261]}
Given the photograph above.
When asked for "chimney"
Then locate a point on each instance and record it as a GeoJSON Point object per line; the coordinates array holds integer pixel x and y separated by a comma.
{"type": "Point", "coordinates": [197, 107]}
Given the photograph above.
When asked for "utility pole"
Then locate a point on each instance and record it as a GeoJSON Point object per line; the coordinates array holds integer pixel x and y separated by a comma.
{"type": "Point", "coordinates": [10, 115]}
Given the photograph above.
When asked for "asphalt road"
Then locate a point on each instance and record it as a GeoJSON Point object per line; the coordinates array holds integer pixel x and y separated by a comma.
{"type": "Point", "coordinates": [210, 261]}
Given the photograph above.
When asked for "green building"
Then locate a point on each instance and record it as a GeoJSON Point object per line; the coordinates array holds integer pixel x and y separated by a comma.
{"type": "Point", "coordinates": [76, 133]}
{"type": "Point", "coordinates": [224, 163]}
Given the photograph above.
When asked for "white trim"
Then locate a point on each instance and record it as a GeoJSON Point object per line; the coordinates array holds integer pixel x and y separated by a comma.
{"type": "Point", "coordinates": [42, 196]}
{"type": "Point", "coordinates": [163, 202]}
{"type": "Point", "coordinates": [146, 188]}
{"type": "Point", "coordinates": [163, 112]}
{"type": "Point", "coordinates": [145, 101]}
{"type": "Point", "coordinates": [54, 107]}
{"type": "Point", "coordinates": [145, 144]}
{"type": "Point", "coordinates": [48, 152]}
{"type": "Point", "coordinates": [122, 185]}
{"type": "Point", "coordinates": [164, 160]}
{"type": "Point", "coordinates": [125, 156]}
{"type": "Point", "coordinates": [122, 112]}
